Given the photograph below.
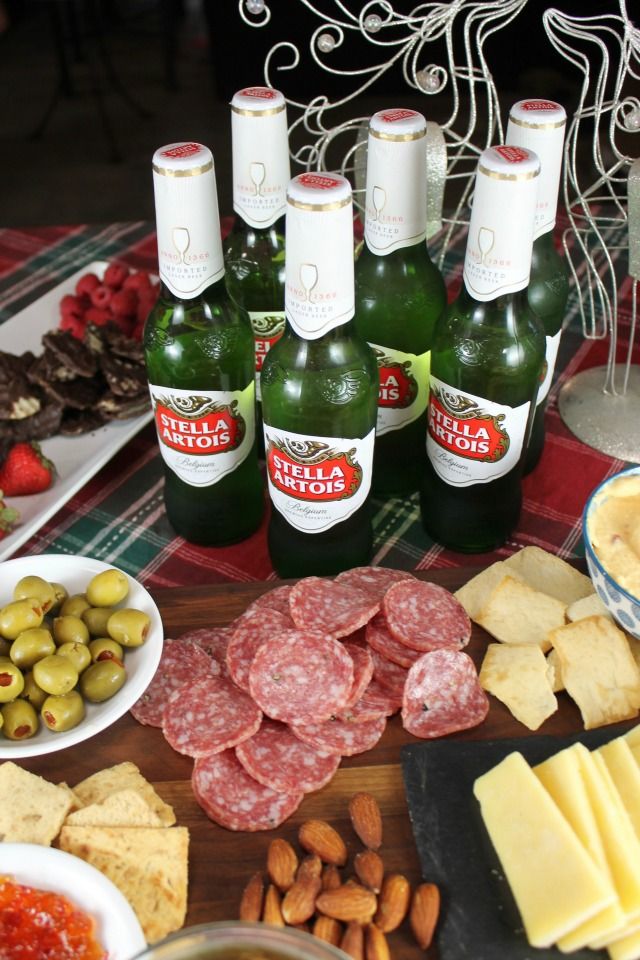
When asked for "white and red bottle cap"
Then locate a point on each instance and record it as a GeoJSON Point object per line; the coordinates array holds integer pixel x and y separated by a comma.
{"type": "Point", "coordinates": [540, 125]}
{"type": "Point", "coordinates": [260, 155]}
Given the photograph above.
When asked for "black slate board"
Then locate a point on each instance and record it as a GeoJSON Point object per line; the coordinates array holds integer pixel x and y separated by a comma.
{"type": "Point", "coordinates": [479, 919]}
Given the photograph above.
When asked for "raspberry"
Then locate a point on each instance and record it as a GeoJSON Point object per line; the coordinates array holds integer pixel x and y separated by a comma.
{"type": "Point", "coordinates": [87, 284]}
{"type": "Point", "coordinates": [138, 281]}
{"type": "Point", "coordinates": [97, 316]}
{"type": "Point", "coordinates": [101, 297]}
{"type": "Point", "coordinates": [124, 303]}
{"type": "Point", "coordinates": [124, 323]}
{"type": "Point", "coordinates": [137, 331]}
{"type": "Point", "coordinates": [115, 275]}
{"type": "Point", "coordinates": [145, 306]}
{"type": "Point", "coordinates": [71, 306]}
{"type": "Point", "coordinates": [75, 325]}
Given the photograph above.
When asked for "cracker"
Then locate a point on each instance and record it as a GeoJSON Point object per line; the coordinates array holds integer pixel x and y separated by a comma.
{"type": "Point", "coordinates": [591, 606]}
{"type": "Point", "coordinates": [123, 776]}
{"type": "Point", "coordinates": [127, 808]}
{"type": "Point", "coordinates": [516, 613]}
{"type": "Point", "coordinates": [518, 675]}
{"type": "Point", "coordinates": [554, 668]}
{"type": "Point", "coordinates": [32, 810]}
{"type": "Point", "coordinates": [550, 574]}
{"type": "Point", "coordinates": [474, 593]}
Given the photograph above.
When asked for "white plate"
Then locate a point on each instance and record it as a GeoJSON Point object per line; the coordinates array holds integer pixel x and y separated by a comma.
{"type": "Point", "coordinates": [76, 458]}
{"type": "Point", "coordinates": [140, 663]}
{"type": "Point", "coordinates": [45, 868]}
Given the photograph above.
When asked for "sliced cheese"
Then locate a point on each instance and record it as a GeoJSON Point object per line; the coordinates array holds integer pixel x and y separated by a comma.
{"type": "Point", "coordinates": [625, 773]}
{"type": "Point", "coordinates": [627, 948]}
{"type": "Point", "coordinates": [529, 834]}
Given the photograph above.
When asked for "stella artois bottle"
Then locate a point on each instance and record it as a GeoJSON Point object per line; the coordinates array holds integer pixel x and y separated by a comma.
{"type": "Point", "coordinates": [254, 249]}
{"type": "Point", "coordinates": [486, 363]}
{"type": "Point", "coordinates": [399, 294]}
{"type": "Point", "coordinates": [539, 125]}
{"type": "Point", "coordinates": [319, 393]}
{"type": "Point", "coordinates": [200, 361]}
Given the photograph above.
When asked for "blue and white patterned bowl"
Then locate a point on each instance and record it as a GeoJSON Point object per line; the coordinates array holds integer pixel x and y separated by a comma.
{"type": "Point", "coordinates": [623, 606]}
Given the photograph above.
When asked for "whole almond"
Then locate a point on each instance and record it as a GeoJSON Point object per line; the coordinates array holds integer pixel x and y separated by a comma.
{"type": "Point", "coordinates": [369, 869]}
{"type": "Point", "coordinates": [366, 819]}
{"type": "Point", "coordinates": [282, 863]}
{"type": "Point", "coordinates": [317, 836]}
{"type": "Point", "coordinates": [423, 915]}
{"type": "Point", "coordinates": [327, 929]}
{"type": "Point", "coordinates": [299, 901]}
{"type": "Point", "coordinates": [331, 877]}
{"type": "Point", "coordinates": [348, 902]}
{"type": "Point", "coordinates": [376, 946]}
{"type": "Point", "coordinates": [310, 866]}
{"type": "Point", "coordinates": [393, 902]}
{"type": "Point", "coordinates": [272, 911]}
{"type": "Point", "coordinates": [352, 942]}
{"type": "Point", "coordinates": [251, 901]}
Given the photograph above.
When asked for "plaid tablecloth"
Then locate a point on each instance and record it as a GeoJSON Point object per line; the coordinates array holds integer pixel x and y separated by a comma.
{"type": "Point", "coordinates": [118, 517]}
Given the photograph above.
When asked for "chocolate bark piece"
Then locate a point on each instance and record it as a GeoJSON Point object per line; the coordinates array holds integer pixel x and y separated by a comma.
{"type": "Point", "coordinates": [42, 425]}
{"type": "Point", "coordinates": [48, 367]}
{"type": "Point", "coordinates": [82, 393]}
{"type": "Point", "coordinates": [73, 353]}
{"type": "Point", "coordinates": [113, 407]}
{"type": "Point", "coordinates": [76, 422]}
{"type": "Point", "coordinates": [121, 345]}
{"type": "Point", "coordinates": [124, 378]}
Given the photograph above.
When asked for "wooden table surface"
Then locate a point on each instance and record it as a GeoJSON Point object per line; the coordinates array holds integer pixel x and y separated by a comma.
{"type": "Point", "coordinates": [221, 861]}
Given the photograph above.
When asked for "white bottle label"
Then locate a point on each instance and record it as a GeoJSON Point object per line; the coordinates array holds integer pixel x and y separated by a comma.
{"type": "Point", "coordinates": [539, 125]}
{"type": "Point", "coordinates": [316, 482]}
{"type": "Point", "coordinates": [260, 165]}
{"type": "Point", "coordinates": [404, 387]}
{"type": "Point", "coordinates": [550, 357]}
{"type": "Point", "coordinates": [204, 435]}
{"type": "Point", "coordinates": [470, 439]}
{"type": "Point", "coordinates": [268, 327]}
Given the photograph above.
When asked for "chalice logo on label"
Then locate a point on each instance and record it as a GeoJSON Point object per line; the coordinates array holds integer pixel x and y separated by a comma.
{"type": "Point", "coordinates": [312, 471]}
{"type": "Point", "coordinates": [398, 386]}
{"type": "Point", "coordinates": [181, 241]}
{"type": "Point", "coordinates": [459, 425]}
{"type": "Point", "coordinates": [378, 198]}
{"type": "Point", "coordinates": [198, 425]}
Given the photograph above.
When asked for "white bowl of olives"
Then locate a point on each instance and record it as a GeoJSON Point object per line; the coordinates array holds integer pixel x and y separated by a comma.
{"type": "Point", "coordinates": [80, 641]}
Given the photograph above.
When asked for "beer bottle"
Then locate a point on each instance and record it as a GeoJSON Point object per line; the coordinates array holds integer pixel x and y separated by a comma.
{"type": "Point", "coordinates": [199, 357]}
{"type": "Point", "coordinates": [254, 248]}
{"type": "Point", "coordinates": [539, 125]}
{"type": "Point", "coordinates": [400, 294]}
{"type": "Point", "coordinates": [486, 361]}
{"type": "Point", "coordinates": [319, 393]}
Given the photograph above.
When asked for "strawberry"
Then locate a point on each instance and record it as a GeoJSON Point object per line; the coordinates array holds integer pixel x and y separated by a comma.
{"type": "Point", "coordinates": [25, 470]}
{"type": "Point", "coordinates": [8, 518]}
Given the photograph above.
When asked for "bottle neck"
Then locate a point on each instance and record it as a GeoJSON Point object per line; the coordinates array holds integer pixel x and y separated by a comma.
{"type": "Point", "coordinates": [396, 194]}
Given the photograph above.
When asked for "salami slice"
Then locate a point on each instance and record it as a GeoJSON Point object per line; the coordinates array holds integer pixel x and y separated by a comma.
{"type": "Point", "coordinates": [214, 641]}
{"type": "Point", "coordinates": [301, 677]}
{"type": "Point", "coordinates": [251, 631]}
{"type": "Point", "coordinates": [362, 670]}
{"type": "Point", "coordinates": [276, 758]}
{"type": "Point", "coordinates": [379, 638]}
{"type": "Point", "coordinates": [209, 716]}
{"type": "Point", "coordinates": [329, 607]}
{"type": "Point", "coordinates": [373, 580]}
{"type": "Point", "coordinates": [389, 675]}
{"type": "Point", "coordinates": [182, 661]}
{"type": "Point", "coordinates": [234, 800]}
{"type": "Point", "coordinates": [379, 701]}
{"type": "Point", "coordinates": [342, 737]}
{"type": "Point", "coordinates": [424, 616]}
{"type": "Point", "coordinates": [276, 599]}
{"type": "Point", "coordinates": [443, 695]}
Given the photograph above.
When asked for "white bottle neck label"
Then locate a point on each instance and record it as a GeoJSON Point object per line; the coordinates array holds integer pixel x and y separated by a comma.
{"type": "Point", "coordinates": [404, 387]}
{"type": "Point", "coordinates": [316, 482]}
{"type": "Point", "coordinates": [472, 440]}
{"type": "Point", "coordinates": [551, 355]}
{"type": "Point", "coordinates": [268, 326]}
{"type": "Point", "coordinates": [261, 167]}
{"type": "Point", "coordinates": [204, 435]}
{"type": "Point", "coordinates": [540, 125]}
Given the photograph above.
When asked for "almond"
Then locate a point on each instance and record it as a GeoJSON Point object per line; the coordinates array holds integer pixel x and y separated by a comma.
{"type": "Point", "coordinates": [393, 902]}
{"type": "Point", "coordinates": [251, 901]}
{"type": "Point", "coordinates": [317, 836]}
{"type": "Point", "coordinates": [348, 902]}
{"type": "Point", "coordinates": [331, 877]}
{"type": "Point", "coordinates": [299, 901]}
{"type": "Point", "coordinates": [369, 869]}
{"type": "Point", "coordinates": [327, 929]}
{"type": "Point", "coordinates": [376, 946]}
{"type": "Point", "coordinates": [423, 916]}
{"type": "Point", "coordinates": [352, 942]}
{"type": "Point", "coordinates": [282, 863]}
{"type": "Point", "coordinates": [366, 819]}
{"type": "Point", "coordinates": [310, 866]}
{"type": "Point", "coordinates": [272, 912]}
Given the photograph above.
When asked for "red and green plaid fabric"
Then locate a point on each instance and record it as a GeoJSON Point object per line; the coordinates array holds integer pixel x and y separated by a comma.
{"type": "Point", "coordinates": [118, 516]}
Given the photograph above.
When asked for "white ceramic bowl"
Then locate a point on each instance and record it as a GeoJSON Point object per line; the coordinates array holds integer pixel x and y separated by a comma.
{"type": "Point", "coordinates": [622, 605]}
{"type": "Point", "coordinates": [140, 662]}
{"type": "Point", "coordinates": [117, 927]}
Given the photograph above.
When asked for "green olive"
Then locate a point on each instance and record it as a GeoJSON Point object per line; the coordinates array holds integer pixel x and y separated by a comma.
{"type": "Point", "coordinates": [20, 720]}
{"type": "Point", "coordinates": [30, 646]}
{"type": "Point", "coordinates": [74, 606]}
{"type": "Point", "coordinates": [32, 692]}
{"type": "Point", "coordinates": [96, 620]}
{"type": "Point", "coordinates": [104, 648]}
{"type": "Point", "coordinates": [70, 629]}
{"type": "Point", "coordinates": [60, 593]}
{"type": "Point", "coordinates": [129, 627]}
{"type": "Point", "coordinates": [11, 680]}
{"type": "Point", "coordinates": [77, 653]}
{"type": "Point", "coordinates": [63, 712]}
{"type": "Point", "coordinates": [18, 616]}
{"type": "Point", "coordinates": [56, 675]}
{"type": "Point", "coordinates": [37, 588]}
{"type": "Point", "coordinates": [108, 588]}
{"type": "Point", "coordinates": [101, 680]}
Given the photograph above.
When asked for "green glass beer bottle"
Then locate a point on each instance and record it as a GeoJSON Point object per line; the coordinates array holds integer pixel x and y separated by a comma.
{"type": "Point", "coordinates": [319, 393]}
{"type": "Point", "coordinates": [400, 294]}
{"type": "Point", "coordinates": [200, 359]}
{"type": "Point", "coordinates": [486, 361]}
{"type": "Point", "coordinates": [539, 125]}
{"type": "Point", "coordinates": [254, 249]}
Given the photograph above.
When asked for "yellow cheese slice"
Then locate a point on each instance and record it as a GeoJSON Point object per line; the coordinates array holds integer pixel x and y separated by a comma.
{"type": "Point", "coordinates": [628, 948]}
{"type": "Point", "coordinates": [554, 881]}
{"type": "Point", "coordinates": [633, 737]}
{"type": "Point", "coordinates": [625, 774]}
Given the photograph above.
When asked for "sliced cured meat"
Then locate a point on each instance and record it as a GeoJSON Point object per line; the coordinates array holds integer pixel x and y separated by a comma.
{"type": "Point", "coordinates": [276, 599]}
{"type": "Point", "coordinates": [362, 670]}
{"type": "Point", "coordinates": [182, 661]}
{"type": "Point", "coordinates": [276, 758]}
{"type": "Point", "coordinates": [329, 607]}
{"type": "Point", "coordinates": [301, 677]}
{"type": "Point", "coordinates": [233, 799]}
{"type": "Point", "coordinates": [209, 716]}
{"type": "Point", "coordinates": [373, 580]}
{"type": "Point", "coordinates": [342, 737]}
{"type": "Point", "coordinates": [424, 616]}
{"type": "Point", "coordinates": [379, 701]}
{"type": "Point", "coordinates": [251, 631]}
{"type": "Point", "coordinates": [214, 641]}
{"type": "Point", "coordinates": [389, 675]}
{"type": "Point", "coordinates": [442, 695]}
{"type": "Point", "coordinates": [380, 638]}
